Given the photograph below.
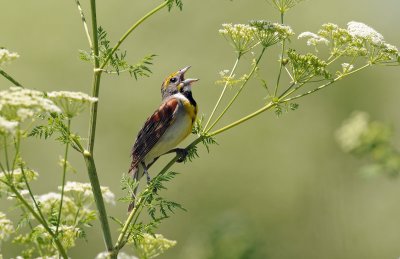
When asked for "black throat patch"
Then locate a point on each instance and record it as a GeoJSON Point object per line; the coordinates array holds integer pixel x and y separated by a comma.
{"type": "Point", "coordinates": [189, 96]}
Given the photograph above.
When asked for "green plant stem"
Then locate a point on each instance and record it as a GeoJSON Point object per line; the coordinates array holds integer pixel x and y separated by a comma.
{"type": "Point", "coordinates": [281, 64]}
{"type": "Point", "coordinates": [96, 79]}
{"type": "Point", "coordinates": [246, 118]}
{"type": "Point", "coordinates": [63, 176]}
{"type": "Point", "coordinates": [10, 78]}
{"type": "Point", "coordinates": [122, 236]}
{"type": "Point", "coordinates": [6, 153]}
{"type": "Point", "coordinates": [322, 86]}
{"type": "Point", "coordinates": [33, 197]}
{"type": "Point", "coordinates": [88, 155]}
{"type": "Point", "coordinates": [84, 23]}
{"type": "Point", "coordinates": [43, 223]}
{"type": "Point", "coordinates": [120, 242]}
{"type": "Point", "coordinates": [131, 29]}
{"type": "Point", "coordinates": [223, 92]}
{"type": "Point", "coordinates": [238, 92]}
{"type": "Point", "coordinates": [98, 198]}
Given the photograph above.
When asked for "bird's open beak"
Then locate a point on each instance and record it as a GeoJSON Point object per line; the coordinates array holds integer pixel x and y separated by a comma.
{"type": "Point", "coordinates": [188, 81]}
{"type": "Point", "coordinates": [183, 70]}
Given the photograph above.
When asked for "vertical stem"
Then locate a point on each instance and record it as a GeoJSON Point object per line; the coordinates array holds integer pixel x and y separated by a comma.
{"type": "Point", "coordinates": [96, 79]}
{"type": "Point", "coordinates": [281, 64]}
{"type": "Point", "coordinates": [6, 153]}
{"type": "Point", "coordinates": [88, 155]}
{"type": "Point", "coordinates": [222, 93]}
{"type": "Point", "coordinates": [63, 177]}
{"type": "Point", "coordinates": [98, 198]}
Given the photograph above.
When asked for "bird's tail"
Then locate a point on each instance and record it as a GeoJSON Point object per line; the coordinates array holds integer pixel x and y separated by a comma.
{"type": "Point", "coordinates": [136, 176]}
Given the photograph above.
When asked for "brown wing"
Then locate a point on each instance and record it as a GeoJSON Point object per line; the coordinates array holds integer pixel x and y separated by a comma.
{"type": "Point", "coordinates": [152, 130]}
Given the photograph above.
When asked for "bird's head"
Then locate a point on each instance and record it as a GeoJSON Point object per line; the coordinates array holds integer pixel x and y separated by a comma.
{"type": "Point", "coordinates": [176, 83]}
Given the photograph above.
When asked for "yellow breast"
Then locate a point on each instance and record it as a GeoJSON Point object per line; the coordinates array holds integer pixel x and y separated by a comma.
{"type": "Point", "coordinates": [190, 109]}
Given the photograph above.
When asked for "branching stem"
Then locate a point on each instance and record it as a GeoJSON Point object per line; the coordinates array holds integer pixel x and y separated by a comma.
{"type": "Point", "coordinates": [223, 92]}
{"type": "Point", "coordinates": [39, 219]}
{"type": "Point", "coordinates": [238, 92]}
{"type": "Point", "coordinates": [131, 29]}
{"type": "Point", "coordinates": [281, 60]}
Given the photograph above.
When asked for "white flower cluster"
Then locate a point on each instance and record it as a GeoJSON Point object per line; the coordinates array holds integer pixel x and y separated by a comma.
{"type": "Point", "coordinates": [346, 67]}
{"type": "Point", "coordinates": [382, 51]}
{"type": "Point", "coordinates": [241, 36]}
{"type": "Point", "coordinates": [71, 103]}
{"type": "Point", "coordinates": [7, 127]}
{"type": "Point", "coordinates": [350, 133]}
{"type": "Point", "coordinates": [84, 190]}
{"type": "Point", "coordinates": [151, 246]}
{"type": "Point", "coordinates": [6, 227]}
{"type": "Point", "coordinates": [18, 104]}
{"type": "Point", "coordinates": [7, 56]}
{"type": "Point", "coordinates": [313, 39]}
{"type": "Point", "coordinates": [73, 96]}
{"type": "Point", "coordinates": [358, 29]}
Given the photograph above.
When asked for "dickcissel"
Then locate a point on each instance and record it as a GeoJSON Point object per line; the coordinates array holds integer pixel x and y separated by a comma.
{"type": "Point", "coordinates": [171, 123]}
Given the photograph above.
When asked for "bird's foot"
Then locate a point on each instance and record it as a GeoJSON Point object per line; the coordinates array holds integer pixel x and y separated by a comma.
{"type": "Point", "coordinates": [182, 153]}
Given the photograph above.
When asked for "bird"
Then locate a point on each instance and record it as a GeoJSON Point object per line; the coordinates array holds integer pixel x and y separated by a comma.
{"type": "Point", "coordinates": [169, 125]}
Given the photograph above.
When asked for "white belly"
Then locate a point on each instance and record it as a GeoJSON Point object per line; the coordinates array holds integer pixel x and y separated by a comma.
{"type": "Point", "coordinates": [178, 131]}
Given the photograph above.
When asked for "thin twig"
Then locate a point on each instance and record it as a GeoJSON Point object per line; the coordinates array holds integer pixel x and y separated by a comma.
{"type": "Point", "coordinates": [10, 78]}
{"type": "Point", "coordinates": [84, 23]}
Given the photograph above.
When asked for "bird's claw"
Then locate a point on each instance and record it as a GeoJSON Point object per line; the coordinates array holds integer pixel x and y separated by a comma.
{"type": "Point", "coordinates": [182, 153]}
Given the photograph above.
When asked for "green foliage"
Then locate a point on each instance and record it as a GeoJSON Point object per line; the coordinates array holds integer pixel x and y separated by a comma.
{"type": "Point", "coordinates": [118, 63]}
{"type": "Point", "coordinates": [172, 3]}
{"type": "Point", "coordinates": [56, 124]}
{"type": "Point", "coordinates": [206, 139]}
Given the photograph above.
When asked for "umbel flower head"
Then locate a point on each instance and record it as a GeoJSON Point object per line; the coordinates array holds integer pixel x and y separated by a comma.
{"type": "Point", "coordinates": [306, 66]}
{"type": "Point", "coordinates": [7, 127]}
{"type": "Point", "coordinates": [6, 56]}
{"type": "Point", "coordinates": [150, 246]}
{"type": "Point", "coordinates": [284, 5]}
{"type": "Point", "coordinates": [357, 40]}
{"type": "Point", "coordinates": [83, 192]}
{"type": "Point", "coordinates": [71, 103]}
{"type": "Point", "coordinates": [18, 104]}
{"type": "Point", "coordinates": [269, 33]}
{"type": "Point", "coordinates": [313, 39]}
{"type": "Point", "coordinates": [363, 31]}
{"type": "Point", "coordinates": [240, 36]}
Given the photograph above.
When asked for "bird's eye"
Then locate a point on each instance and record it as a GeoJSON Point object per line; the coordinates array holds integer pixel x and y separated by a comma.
{"type": "Point", "coordinates": [173, 80]}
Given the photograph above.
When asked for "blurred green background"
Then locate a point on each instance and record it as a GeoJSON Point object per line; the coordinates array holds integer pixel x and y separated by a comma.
{"type": "Point", "coordinates": [272, 188]}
